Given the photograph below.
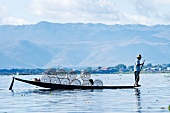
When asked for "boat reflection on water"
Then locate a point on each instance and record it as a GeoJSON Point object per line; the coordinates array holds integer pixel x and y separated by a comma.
{"type": "Point", "coordinates": [138, 100]}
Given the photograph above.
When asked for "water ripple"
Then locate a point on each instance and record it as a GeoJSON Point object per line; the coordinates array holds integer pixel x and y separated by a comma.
{"type": "Point", "coordinates": [153, 96]}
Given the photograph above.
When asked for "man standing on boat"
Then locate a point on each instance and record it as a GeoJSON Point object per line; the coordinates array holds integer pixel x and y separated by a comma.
{"type": "Point", "coordinates": [137, 69]}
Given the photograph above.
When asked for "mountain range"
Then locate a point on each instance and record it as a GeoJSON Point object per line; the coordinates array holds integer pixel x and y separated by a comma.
{"type": "Point", "coordinates": [45, 45]}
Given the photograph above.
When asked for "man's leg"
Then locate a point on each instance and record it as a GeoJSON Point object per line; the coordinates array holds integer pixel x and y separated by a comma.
{"type": "Point", "coordinates": [136, 77]}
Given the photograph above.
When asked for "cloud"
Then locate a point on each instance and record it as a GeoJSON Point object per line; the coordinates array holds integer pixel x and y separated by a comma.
{"type": "Point", "coordinates": [6, 19]}
{"type": "Point", "coordinates": [52, 7]}
{"type": "Point", "coordinates": [88, 11]}
{"type": "Point", "coordinates": [97, 11]}
{"type": "Point", "coordinates": [3, 12]}
{"type": "Point", "coordinates": [164, 2]}
{"type": "Point", "coordinates": [13, 21]}
{"type": "Point", "coordinates": [157, 11]}
{"type": "Point", "coordinates": [145, 8]}
{"type": "Point", "coordinates": [94, 11]}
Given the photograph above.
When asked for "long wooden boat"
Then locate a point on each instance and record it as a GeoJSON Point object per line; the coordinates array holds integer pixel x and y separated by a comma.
{"type": "Point", "coordinates": [68, 87]}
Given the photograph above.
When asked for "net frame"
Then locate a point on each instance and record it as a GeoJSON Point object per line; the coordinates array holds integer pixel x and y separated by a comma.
{"type": "Point", "coordinates": [45, 79]}
{"type": "Point", "coordinates": [71, 75]}
{"type": "Point", "coordinates": [98, 82]}
{"type": "Point", "coordinates": [86, 83]}
{"type": "Point", "coordinates": [65, 81]}
{"type": "Point", "coordinates": [75, 82]}
{"type": "Point", "coordinates": [85, 76]}
{"type": "Point", "coordinates": [55, 80]}
{"type": "Point", "coordinates": [61, 74]}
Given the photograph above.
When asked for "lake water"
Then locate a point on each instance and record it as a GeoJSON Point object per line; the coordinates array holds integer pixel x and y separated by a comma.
{"type": "Point", "coordinates": [153, 96]}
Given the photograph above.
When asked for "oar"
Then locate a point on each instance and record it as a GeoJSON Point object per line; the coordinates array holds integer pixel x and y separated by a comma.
{"type": "Point", "coordinates": [142, 65]}
{"type": "Point", "coordinates": [10, 88]}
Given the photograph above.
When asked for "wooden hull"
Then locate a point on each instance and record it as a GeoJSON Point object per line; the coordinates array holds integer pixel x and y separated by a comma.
{"type": "Point", "coordinates": [71, 87]}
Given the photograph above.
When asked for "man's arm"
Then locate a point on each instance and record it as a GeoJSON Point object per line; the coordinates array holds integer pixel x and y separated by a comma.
{"type": "Point", "coordinates": [141, 63]}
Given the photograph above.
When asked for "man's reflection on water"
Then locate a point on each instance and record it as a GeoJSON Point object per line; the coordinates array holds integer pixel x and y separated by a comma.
{"type": "Point", "coordinates": [138, 100]}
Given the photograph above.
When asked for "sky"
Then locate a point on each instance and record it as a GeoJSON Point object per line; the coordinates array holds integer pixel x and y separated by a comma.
{"type": "Point", "coordinates": [110, 12]}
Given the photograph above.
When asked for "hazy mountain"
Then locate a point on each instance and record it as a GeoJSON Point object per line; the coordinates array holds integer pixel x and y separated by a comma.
{"type": "Point", "coordinates": [22, 54]}
{"type": "Point", "coordinates": [51, 44]}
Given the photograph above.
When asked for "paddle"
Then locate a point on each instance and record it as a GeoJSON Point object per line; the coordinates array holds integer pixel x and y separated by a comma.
{"type": "Point", "coordinates": [142, 65]}
{"type": "Point", "coordinates": [10, 88]}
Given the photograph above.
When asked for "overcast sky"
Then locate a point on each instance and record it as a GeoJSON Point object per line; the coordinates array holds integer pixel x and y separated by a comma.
{"type": "Point", "coordinates": [147, 12]}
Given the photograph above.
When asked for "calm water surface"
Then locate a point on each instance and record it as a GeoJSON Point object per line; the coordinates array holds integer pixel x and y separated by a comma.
{"type": "Point", "coordinates": [153, 96]}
